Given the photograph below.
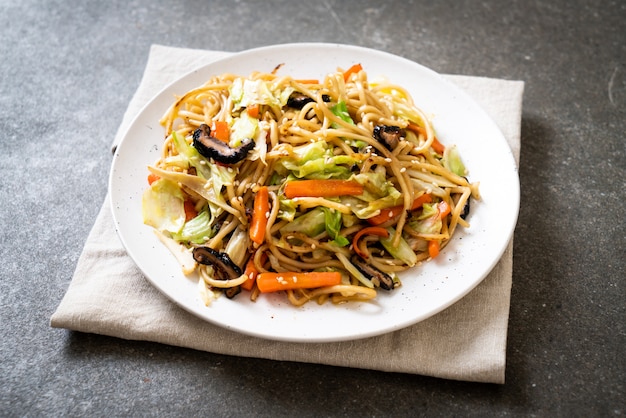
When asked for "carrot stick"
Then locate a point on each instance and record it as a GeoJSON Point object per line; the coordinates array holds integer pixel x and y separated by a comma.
{"type": "Point", "coordinates": [252, 272]}
{"type": "Point", "coordinates": [437, 146]}
{"type": "Point", "coordinates": [254, 110]}
{"type": "Point", "coordinates": [444, 209]}
{"type": "Point", "coordinates": [190, 210]}
{"type": "Point", "coordinates": [417, 129]}
{"type": "Point", "coordinates": [152, 178]}
{"type": "Point", "coordinates": [274, 282]}
{"type": "Point", "coordinates": [433, 248]}
{"type": "Point", "coordinates": [220, 130]}
{"type": "Point", "coordinates": [259, 215]}
{"type": "Point", "coordinates": [352, 70]}
{"type": "Point", "coordinates": [308, 81]}
{"type": "Point", "coordinates": [420, 200]}
{"type": "Point", "coordinates": [394, 211]}
{"type": "Point", "coordinates": [371, 230]}
{"type": "Point", "coordinates": [322, 188]}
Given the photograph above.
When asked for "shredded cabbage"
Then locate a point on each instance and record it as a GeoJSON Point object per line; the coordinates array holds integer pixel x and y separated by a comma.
{"type": "Point", "coordinates": [247, 92]}
{"type": "Point", "coordinates": [402, 252]}
{"type": "Point", "coordinates": [312, 223]}
{"type": "Point", "coordinates": [197, 230]}
{"type": "Point", "coordinates": [243, 127]}
{"type": "Point", "coordinates": [429, 222]}
{"type": "Point", "coordinates": [452, 161]}
{"type": "Point", "coordinates": [333, 220]}
{"type": "Point", "coordinates": [163, 206]}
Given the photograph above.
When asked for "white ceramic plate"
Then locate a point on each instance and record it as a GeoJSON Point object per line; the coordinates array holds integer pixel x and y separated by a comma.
{"type": "Point", "coordinates": [426, 290]}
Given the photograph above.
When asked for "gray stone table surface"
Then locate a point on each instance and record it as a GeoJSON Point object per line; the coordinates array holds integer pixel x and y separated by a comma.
{"type": "Point", "coordinates": [68, 70]}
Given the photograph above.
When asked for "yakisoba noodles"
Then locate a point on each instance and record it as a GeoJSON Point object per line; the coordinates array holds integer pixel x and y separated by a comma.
{"type": "Point", "coordinates": [324, 189]}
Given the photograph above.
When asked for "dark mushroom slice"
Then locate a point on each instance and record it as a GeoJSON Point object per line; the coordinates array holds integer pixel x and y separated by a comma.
{"type": "Point", "coordinates": [231, 292]}
{"type": "Point", "coordinates": [466, 209]}
{"type": "Point", "coordinates": [225, 268]}
{"type": "Point", "coordinates": [219, 151]}
{"type": "Point", "coordinates": [298, 100]}
{"type": "Point", "coordinates": [388, 135]}
{"type": "Point", "coordinates": [376, 276]}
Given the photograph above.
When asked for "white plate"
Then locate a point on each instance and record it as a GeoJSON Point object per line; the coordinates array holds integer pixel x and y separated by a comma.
{"type": "Point", "coordinates": [426, 290]}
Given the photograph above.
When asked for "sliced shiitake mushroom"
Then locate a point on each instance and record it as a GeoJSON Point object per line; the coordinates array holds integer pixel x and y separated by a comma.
{"type": "Point", "coordinates": [219, 151]}
{"type": "Point", "coordinates": [298, 100]}
{"type": "Point", "coordinates": [225, 268]}
{"type": "Point", "coordinates": [377, 277]}
{"type": "Point", "coordinates": [388, 135]}
{"type": "Point", "coordinates": [466, 208]}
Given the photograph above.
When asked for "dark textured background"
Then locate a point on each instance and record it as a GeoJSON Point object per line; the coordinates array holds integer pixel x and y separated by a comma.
{"type": "Point", "coordinates": [68, 71]}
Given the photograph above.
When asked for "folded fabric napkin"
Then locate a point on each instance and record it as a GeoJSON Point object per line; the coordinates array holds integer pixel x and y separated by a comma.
{"type": "Point", "coordinates": [108, 294]}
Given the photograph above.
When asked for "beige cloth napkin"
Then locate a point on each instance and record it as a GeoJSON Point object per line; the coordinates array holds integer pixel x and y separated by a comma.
{"type": "Point", "coordinates": [108, 295]}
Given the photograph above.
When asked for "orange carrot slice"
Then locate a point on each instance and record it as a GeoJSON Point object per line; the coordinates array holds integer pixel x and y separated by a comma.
{"type": "Point", "coordinates": [394, 211]}
{"type": "Point", "coordinates": [352, 70]}
{"type": "Point", "coordinates": [274, 282]}
{"type": "Point", "coordinates": [371, 230]}
{"type": "Point", "coordinates": [322, 188]}
{"type": "Point", "coordinates": [259, 215]}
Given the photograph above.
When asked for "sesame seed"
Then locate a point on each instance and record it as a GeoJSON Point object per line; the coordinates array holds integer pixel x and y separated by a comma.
{"type": "Point", "coordinates": [387, 160]}
{"type": "Point", "coordinates": [403, 170]}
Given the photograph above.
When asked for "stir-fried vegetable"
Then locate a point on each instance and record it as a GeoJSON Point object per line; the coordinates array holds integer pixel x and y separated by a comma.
{"type": "Point", "coordinates": [163, 206]}
{"type": "Point", "coordinates": [402, 251]}
{"type": "Point", "coordinates": [274, 282]}
{"type": "Point", "coordinates": [354, 69]}
{"type": "Point", "coordinates": [391, 213]}
{"type": "Point", "coordinates": [322, 188]}
{"type": "Point", "coordinates": [260, 212]}
{"type": "Point", "coordinates": [197, 229]}
{"type": "Point", "coordinates": [372, 230]}
{"type": "Point", "coordinates": [220, 130]}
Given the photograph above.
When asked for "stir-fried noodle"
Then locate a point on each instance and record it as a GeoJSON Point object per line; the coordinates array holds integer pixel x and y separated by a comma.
{"type": "Point", "coordinates": [335, 184]}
